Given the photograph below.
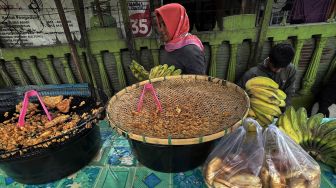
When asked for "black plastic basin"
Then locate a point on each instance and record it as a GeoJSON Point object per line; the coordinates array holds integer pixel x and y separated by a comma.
{"type": "Point", "coordinates": [55, 162]}
{"type": "Point", "coordinates": [171, 158]}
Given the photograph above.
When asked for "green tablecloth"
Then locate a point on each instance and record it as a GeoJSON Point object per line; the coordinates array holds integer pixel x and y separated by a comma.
{"type": "Point", "coordinates": [116, 167]}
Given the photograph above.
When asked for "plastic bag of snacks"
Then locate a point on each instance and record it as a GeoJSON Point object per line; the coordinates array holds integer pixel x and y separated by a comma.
{"type": "Point", "coordinates": [237, 159]}
{"type": "Point", "coordinates": [286, 164]}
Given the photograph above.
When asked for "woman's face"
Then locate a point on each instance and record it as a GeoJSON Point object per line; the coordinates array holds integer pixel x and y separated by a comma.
{"type": "Point", "coordinates": [163, 30]}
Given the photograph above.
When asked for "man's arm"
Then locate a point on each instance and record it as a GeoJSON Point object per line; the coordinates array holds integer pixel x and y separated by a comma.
{"type": "Point", "coordinates": [247, 75]}
{"type": "Point", "coordinates": [290, 89]}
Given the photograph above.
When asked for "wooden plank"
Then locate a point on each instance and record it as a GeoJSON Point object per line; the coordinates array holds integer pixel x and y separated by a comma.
{"type": "Point", "coordinates": [261, 36]}
{"type": "Point", "coordinates": [73, 49]}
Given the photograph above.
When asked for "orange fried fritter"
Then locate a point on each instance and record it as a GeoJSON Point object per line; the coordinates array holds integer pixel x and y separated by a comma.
{"type": "Point", "coordinates": [52, 101]}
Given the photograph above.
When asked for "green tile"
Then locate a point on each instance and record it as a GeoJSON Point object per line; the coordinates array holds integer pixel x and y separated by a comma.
{"type": "Point", "coordinates": [86, 177]}
{"type": "Point", "coordinates": [189, 179]}
{"type": "Point", "coordinates": [141, 174]}
{"type": "Point", "coordinates": [114, 177]}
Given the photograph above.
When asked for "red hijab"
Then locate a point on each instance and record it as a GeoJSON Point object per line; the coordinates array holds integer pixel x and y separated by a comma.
{"type": "Point", "coordinates": [176, 20]}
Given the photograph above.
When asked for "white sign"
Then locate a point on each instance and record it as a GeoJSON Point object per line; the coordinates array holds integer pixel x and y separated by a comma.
{"type": "Point", "coordinates": [34, 23]}
{"type": "Point", "coordinates": [26, 23]}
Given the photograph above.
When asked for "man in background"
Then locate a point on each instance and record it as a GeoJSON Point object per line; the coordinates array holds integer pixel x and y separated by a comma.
{"type": "Point", "coordinates": [278, 67]}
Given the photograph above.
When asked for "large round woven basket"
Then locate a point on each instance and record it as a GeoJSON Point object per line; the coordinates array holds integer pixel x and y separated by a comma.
{"type": "Point", "coordinates": [187, 100]}
{"type": "Point", "coordinates": [196, 111]}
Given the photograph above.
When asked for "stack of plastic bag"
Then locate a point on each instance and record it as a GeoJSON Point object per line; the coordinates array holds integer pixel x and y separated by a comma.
{"type": "Point", "coordinates": [237, 159]}
{"type": "Point", "coordinates": [286, 164]}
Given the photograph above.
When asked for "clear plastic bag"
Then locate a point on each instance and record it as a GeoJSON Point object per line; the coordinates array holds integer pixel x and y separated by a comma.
{"type": "Point", "coordinates": [237, 159]}
{"type": "Point", "coordinates": [286, 164]}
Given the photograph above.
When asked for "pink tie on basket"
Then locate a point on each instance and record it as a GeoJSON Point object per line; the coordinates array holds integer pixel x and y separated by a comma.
{"type": "Point", "coordinates": [149, 87]}
{"type": "Point", "coordinates": [25, 103]}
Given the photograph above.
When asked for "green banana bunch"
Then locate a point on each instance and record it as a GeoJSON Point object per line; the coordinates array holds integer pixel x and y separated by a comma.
{"type": "Point", "coordinates": [138, 71]}
{"type": "Point", "coordinates": [317, 138]}
{"type": "Point", "coordinates": [287, 125]}
{"type": "Point", "coordinates": [312, 125]}
{"type": "Point", "coordinates": [302, 118]}
{"type": "Point", "coordinates": [266, 99]}
{"type": "Point", "coordinates": [164, 70]}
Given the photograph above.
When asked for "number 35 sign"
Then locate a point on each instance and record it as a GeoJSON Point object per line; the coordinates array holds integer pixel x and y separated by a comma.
{"type": "Point", "coordinates": [140, 18]}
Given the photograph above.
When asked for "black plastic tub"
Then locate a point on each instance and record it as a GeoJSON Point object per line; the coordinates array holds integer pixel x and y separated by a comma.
{"type": "Point", "coordinates": [55, 162]}
{"type": "Point", "coordinates": [68, 152]}
{"type": "Point", "coordinates": [171, 158]}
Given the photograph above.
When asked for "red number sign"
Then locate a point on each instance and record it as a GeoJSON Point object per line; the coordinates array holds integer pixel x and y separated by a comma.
{"type": "Point", "coordinates": [141, 23]}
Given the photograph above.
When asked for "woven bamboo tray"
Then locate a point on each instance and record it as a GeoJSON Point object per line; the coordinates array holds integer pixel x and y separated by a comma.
{"type": "Point", "coordinates": [210, 94]}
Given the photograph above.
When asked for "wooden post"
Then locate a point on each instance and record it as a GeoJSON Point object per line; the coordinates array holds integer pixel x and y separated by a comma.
{"type": "Point", "coordinates": [91, 64]}
{"type": "Point", "coordinates": [261, 37]}
{"type": "Point", "coordinates": [128, 30]}
{"type": "Point", "coordinates": [73, 49]}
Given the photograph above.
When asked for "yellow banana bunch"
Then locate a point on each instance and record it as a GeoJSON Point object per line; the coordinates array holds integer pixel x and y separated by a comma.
{"type": "Point", "coordinates": [251, 113]}
{"type": "Point", "coordinates": [164, 70]}
{"type": "Point", "coordinates": [266, 99]}
{"type": "Point", "coordinates": [261, 81]}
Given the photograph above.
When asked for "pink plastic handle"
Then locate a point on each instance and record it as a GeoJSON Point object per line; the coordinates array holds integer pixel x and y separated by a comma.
{"type": "Point", "coordinates": [25, 103]}
{"type": "Point", "coordinates": [156, 99]}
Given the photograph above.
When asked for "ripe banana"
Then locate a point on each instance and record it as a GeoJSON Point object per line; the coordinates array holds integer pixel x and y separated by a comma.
{"type": "Point", "coordinates": [266, 108]}
{"type": "Point", "coordinates": [278, 92]}
{"type": "Point", "coordinates": [265, 119]}
{"type": "Point", "coordinates": [251, 113]}
{"type": "Point", "coordinates": [263, 91]}
{"type": "Point", "coordinates": [270, 100]}
{"type": "Point", "coordinates": [261, 82]}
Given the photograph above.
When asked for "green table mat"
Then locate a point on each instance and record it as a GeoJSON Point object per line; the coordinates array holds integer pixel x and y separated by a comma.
{"type": "Point", "coordinates": [116, 167]}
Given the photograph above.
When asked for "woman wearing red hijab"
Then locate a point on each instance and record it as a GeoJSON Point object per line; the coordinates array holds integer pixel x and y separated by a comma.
{"type": "Point", "coordinates": [182, 49]}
